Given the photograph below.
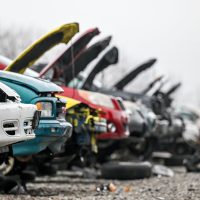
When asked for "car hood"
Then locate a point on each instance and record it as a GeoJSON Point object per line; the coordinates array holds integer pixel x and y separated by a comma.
{"type": "Point", "coordinates": [38, 85]}
{"type": "Point", "coordinates": [29, 56]}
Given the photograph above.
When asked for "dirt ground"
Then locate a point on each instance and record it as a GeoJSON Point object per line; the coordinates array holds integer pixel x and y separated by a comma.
{"type": "Point", "coordinates": [69, 185]}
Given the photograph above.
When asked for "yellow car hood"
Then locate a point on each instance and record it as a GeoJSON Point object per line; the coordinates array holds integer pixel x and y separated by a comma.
{"type": "Point", "coordinates": [70, 102]}
{"type": "Point", "coordinates": [62, 34]}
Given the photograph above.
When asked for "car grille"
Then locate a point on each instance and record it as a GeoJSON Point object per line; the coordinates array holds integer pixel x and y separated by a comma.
{"type": "Point", "coordinates": [28, 127]}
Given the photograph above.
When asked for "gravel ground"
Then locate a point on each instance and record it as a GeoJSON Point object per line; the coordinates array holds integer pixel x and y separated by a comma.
{"type": "Point", "coordinates": [67, 185]}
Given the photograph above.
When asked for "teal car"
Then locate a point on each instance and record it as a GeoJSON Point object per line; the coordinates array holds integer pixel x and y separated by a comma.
{"type": "Point", "coordinates": [53, 130]}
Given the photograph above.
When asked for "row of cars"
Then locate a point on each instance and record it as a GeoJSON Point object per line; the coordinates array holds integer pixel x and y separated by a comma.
{"type": "Point", "coordinates": [56, 111]}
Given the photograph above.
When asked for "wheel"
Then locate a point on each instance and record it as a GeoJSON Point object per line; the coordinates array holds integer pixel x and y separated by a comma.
{"type": "Point", "coordinates": [47, 169]}
{"type": "Point", "coordinates": [27, 176]}
{"type": "Point", "coordinates": [143, 149]}
{"type": "Point", "coordinates": [7, 184]}
{"type": "Point", "coordinates": [105, 149]}
{"type": "Point", "coordinates": [174, 161]}
{"type": "Point", "coordinates": [7, 166]}
{"type": "Point", "coordinates": [126, 170]}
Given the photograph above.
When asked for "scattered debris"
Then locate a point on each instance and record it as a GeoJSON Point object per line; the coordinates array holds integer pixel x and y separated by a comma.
{"type": "Point", "coordinates": [160, 198]}
{"type": "Point", "coordinates": [161, 170]}
{"type": "Point", "coordinates": [111, 187]}
{"type": "Point", "coordinates": [127, 188]}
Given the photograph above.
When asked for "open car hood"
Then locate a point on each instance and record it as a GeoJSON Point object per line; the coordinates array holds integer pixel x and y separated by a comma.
{"type": "Point", "coordinates": [79, 45]}
{"type": "Point", "coordinates": [82, 60]}
{"type": "Point", "coordinates": [110, 57]}
{"type": "Point", "coordinates": [133, 74]}
{"type": "Point", "coordinates": [62, 34]}
{"type": "Point", "coordinates": [173, 88]}
{"type": "Point", "coordinates": [151, 85]}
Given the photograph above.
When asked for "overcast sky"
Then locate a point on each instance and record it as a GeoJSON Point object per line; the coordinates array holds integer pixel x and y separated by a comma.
{"type": "Point", "coordinates": [168, 30]}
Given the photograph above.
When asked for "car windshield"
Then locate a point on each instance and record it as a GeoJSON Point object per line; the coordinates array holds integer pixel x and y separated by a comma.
{"type": "Point", "coordinates": [76, 83]}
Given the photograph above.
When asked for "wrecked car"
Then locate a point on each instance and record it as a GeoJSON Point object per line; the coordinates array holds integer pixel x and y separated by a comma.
{"type": "Point", "coordinates": [52, 126]}
{"type": "Point", "coordinates": [18, 120]}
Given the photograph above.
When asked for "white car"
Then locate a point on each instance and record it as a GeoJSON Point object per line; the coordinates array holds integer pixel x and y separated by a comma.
{"type": "Point", "coordinates": [17, 120]}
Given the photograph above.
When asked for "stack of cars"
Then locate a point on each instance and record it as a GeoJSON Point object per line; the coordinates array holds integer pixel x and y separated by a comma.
{"type": "Point", "coordinates": [58, 113]}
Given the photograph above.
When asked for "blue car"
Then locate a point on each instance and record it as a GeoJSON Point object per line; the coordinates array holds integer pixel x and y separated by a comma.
{"type": "Point", "coordinates": [53, 130]}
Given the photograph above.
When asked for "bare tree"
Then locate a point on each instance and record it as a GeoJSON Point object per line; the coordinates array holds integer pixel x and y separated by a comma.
{"type": "Point", "coordinates": [14, 40]}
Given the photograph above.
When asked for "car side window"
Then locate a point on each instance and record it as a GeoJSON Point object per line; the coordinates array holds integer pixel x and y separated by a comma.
{"type": "Point", "coordinates": [3, 96]}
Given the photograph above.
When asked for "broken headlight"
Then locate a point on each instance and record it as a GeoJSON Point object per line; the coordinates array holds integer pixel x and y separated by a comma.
{"type": "Point", "coordinates": [46, 108]}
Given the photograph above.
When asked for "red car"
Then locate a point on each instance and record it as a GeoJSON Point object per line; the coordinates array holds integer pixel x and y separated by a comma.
{"type": "Point", "coordinates": [111, 110]}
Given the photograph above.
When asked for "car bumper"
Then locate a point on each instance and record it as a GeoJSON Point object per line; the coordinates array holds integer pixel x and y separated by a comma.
{"type": "Point", "coordinates": [50, 134]}
{"type": "Point", "coordinates": [15, 123]}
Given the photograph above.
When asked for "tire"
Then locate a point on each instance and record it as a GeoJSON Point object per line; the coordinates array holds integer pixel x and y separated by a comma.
{"type": "Point", "coordinates": [7, 184]}
{"type": "Point", "coordinates": [126, 170]}
{"type": "Point", "coordinates": [174, 161]}
{"type": "Point", "coordinates": [144, 149]}
{"type": "Point", "coordinates": [47, 169]}
{"type": "Point", "coordinates": [27, 176]}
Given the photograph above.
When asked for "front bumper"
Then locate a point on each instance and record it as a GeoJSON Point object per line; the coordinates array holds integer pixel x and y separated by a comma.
{"type": "Point", "coordinates": [16, 123]}
{"type": "Point", "coordinates": [122, 131]}
{"type": "Point", "coordinates": [50, 134]}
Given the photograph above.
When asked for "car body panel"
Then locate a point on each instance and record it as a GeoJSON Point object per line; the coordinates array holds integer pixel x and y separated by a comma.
{"type": "Point", "coordinates": [32, 83]}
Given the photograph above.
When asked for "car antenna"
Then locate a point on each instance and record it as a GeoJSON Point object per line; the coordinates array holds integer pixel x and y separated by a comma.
{"type": "Point", "coordinates": [73, 66]}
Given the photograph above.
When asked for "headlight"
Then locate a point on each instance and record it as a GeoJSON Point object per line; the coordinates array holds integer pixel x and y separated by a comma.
{"type": "Point", "coordinates": [61, 113]}
{"type": "Point", "coordinates": [112, 128]}
{"type": "Point", "coordinates": [45, 108]}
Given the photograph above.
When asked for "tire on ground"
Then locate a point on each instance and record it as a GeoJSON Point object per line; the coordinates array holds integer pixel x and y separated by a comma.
{"type": "Point", "coordinates": [126, 170]}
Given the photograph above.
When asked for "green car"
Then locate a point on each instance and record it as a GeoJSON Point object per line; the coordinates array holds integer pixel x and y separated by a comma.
{"type": "Point", "coordinates": [53, 130]}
